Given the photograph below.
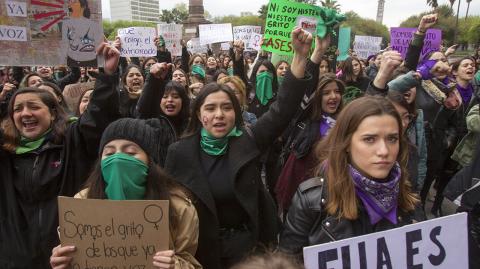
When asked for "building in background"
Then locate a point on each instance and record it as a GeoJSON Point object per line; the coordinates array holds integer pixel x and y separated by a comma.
{"type": "Point", "coordinates": [135, 10]}
{"type": "Point", "coordinates": [380, 10]}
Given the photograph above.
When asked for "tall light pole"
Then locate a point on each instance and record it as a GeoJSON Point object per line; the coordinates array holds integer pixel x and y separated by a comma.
{"type": "Point", "coordinates": [456, 24]}
{"type": "Point", "coordinates": [380, 9]}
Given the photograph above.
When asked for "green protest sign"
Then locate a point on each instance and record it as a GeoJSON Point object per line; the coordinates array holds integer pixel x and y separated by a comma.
{"type": "Point", "coordinates": [284, 15]}
{"type": "Point", "coordinates": [343, 43]}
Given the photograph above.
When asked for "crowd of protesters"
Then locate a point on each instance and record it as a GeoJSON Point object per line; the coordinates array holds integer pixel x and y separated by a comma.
{"type": "Point", "coordinates": [253, 156]}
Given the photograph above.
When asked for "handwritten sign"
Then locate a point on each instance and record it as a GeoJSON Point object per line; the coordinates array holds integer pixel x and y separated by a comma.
{"type": "Point", "coordinates": [245, 33]}
{"type": "Point", "coordinates": [172, 34]}
{"type": "Point", "coordinates": [400, 39]}
{"type": "Point", "coordinates": [13, 33]}
{"type": "Point", "coordinates": [365, 46]}
{"type": "Point", "coordinates": [281, 19]}
{"type": "Point", "coordinates": [137, 42]}
{"type": "Point", "coordinates": [106, 237]}
{"type": "Point", "coordinates": [308, 24]}
{"type": "Point", "coordinates": [225, 46]}
{"type": "Point", "coordinates": [215, 33]}
{"type": "Point", "coordinates": [343, 43]}
{"type": "Point", "coordinates": [255, 41]}
{"type": "Point", "coordinates": [440, 243]}
{"type": "Point", "coordinates": [194, 46]}
{"type": "Point", "coordinates": [16, 9]}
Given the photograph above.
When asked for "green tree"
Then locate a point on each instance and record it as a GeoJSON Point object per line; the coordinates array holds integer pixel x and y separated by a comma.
{"type": "Point", "coordinates": [368, 27]}
{"type": "Point", "coordinates": [240, 20]}
{"type": "Point", "coordinates": [262, 12]}
{"type": "Point", "coordinates": [331, 4]}
{"type": "Point", "coordinates": [432, 3]}
{"type": "Point", "coordinates": [177, 15]}
{"type": "Point", "coordinates": [110, 29]}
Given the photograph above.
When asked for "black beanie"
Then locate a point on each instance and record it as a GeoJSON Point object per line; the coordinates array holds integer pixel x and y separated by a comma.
{"type": "Point", "coordinates": [135, 130]}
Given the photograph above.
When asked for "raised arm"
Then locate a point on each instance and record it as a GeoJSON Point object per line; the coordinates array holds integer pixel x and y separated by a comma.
{"type": "Point", "coordinates": [276, 119]}
{"type": "Point", "coordinates": [390, 61]}
{"type": "Point", "coordinates": [238, 62]}
{"type": "Point", "coordinates": [415, 48]}
{"type": "Point", "coordinates": [148, 105]}
{"type": "Point", "coordinates": [71, 78]}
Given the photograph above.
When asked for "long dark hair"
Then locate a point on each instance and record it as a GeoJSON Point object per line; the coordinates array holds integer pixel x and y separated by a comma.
{"type": "Point", "coordinates": [347, 70]}
{"type": "Point", "coordinates": [58, 126]}
{"type": "Point", "coordinates": [181, 120]}
{"type": "Point", "coordinates": [127, 70]}
{"type": "Point", "coordinates": [194, 125]}
{"type": "Point", "coordinates": [316, 101]}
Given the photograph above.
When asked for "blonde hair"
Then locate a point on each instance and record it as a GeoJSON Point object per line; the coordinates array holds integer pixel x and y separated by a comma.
{"type": "Point", "coordinates": [332, 152]}
{"type": "Point", "coordinates": [235, 80]}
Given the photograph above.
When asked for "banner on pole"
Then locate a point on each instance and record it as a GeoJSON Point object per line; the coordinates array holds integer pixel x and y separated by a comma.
{"type": "Point", "coordinates": [215, 33]}
{"type": "Point", "coordinates": [400, 39]}
{"type": "Point", "coordinates": [365, 46]}
{"type": "Point", "coordinates": [172, 34]}
{"type": "Point", "coordinates": [439, 243]}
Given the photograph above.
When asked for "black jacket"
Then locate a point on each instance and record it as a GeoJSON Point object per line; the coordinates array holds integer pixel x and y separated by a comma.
{"type": "Point", "coordinates": [183, 163]}
{"type": "Point", "coordinates": [31, 182]}
{"type": "Point", "coordinates": [308, 224]}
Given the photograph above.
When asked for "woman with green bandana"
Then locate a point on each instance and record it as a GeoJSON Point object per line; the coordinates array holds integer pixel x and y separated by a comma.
{"type": "Point", "coordinates": [264, 82]}
{"type": "Point", "coordinates": [44, 155]}
{"type": "Point", "coordinates": [127, 170]}
{"type": "Point", "coordinates": [236, 212]}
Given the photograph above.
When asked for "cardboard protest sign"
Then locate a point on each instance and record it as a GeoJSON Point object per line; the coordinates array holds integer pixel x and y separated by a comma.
{"type": "Point", "coordinates": [215, 33]}
{"type": "Point", "coordinates": [106, 237]}
{"type": "Point", "coordinates": [138, 42]}
{"type": "Point", "coordinates": [281, 19]}
{"type": "Point", "coordinates": [194, 46]}
{"type": "Point", "coordinates": [172, 34]}
{"type": "Point", "coordinates": [245, 33]}
{"type": "Point", "coordinates": [400, 39]}
{"type": "Point", "coordinates": [365, 46]}
{"type": "Point", "coordinates": [50, 32]}
{"type": "Point", "coordinates": [343, 43]}
{"type": "Point", "coordinates": [439, 243]}
{"type": "Point", "coordinates": [225, 46]}
{"type": "Point", "coordinates": [255, 41]}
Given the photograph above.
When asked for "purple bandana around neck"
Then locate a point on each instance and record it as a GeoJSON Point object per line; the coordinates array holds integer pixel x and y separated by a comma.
{"type": "Point", "coordinates": [425, 67]}
{"type": "Point", "coordinates": [379, 198]}
{"type": "Point", "coordinates": [466, 93]}
{"type": "Point", "coordinates": [326, 124]}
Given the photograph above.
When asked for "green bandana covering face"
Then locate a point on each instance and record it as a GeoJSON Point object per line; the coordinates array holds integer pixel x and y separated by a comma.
{"type": "Point", "coordinates": [125, 177]}
{"type": "Point", "coordinates": [198, 70]}
{"type": "Point", "coordinates": [230, 71]}
{"type": "Point", "coordinates": [28, 145]}
{"type": "Point", "coordinates": [263, 88]}
{"type": "Point", "coordinates": [216, 146]}
{"type": "Point", "coordinates": [280, 80]}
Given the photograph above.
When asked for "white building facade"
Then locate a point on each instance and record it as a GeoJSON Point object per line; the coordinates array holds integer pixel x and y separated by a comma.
{"type": "Point", "coordinates": [135, 10]}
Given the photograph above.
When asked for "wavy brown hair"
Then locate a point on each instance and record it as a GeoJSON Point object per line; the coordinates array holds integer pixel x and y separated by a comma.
{"type": "Point", "coordinates": [317, 109]}
{"type": "Point", "coordinates": [334, 159]}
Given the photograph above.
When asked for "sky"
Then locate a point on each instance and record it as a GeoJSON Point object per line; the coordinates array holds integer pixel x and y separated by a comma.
{"type": "Point", "coordinates": [396, 11]}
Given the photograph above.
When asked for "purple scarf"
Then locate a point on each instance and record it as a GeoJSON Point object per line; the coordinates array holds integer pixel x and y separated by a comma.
{"type": "Point", "coordinates": [425, 67]}
{"type": "Point", "coordinates": [466, 93]}
{"type": "Point", "coordinates": [326, 124]}
{"type": "Point", "coordinates": [379, 198]}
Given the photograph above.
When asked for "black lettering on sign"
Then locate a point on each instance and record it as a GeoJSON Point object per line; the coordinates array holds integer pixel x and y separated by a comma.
{"type": "Point", "coordinates": [326, 256]}
{"type": "Point", "coordinates": [15, 9]}
{"type": "Point", "coordinates": [383, 257]}
{"type": "Point", "coordinates": [362, 253]}
{"type": "Point", "coordinates": [437, 260]}
{"type": "Point", "coordinates": [346, 257]}
{"type": "Point", "coordinates": [12, 33]}
{"type": "Point", "coordinates": [411, 237]}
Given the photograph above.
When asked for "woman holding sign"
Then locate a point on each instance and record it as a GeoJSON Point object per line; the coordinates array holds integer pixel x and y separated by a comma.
{"type": "Point", "coordinates": [44, 154]}
{"type": "Point", "coordinates": [362, 185]}
{"type": "Point", "coordinates": [127, 170]}
{"type": "Point", "coordinates": [236, 212]}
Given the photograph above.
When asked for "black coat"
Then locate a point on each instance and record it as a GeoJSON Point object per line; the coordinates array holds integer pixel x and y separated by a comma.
{"type": "Point", "coordinates": [308, 224]}
{"type": "Point", "coordinates": [183, 163]}
{"type": "Point", "coordinates": [31, 182]}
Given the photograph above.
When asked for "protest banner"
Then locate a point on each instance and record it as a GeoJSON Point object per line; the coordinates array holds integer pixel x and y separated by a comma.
{"type": "Point", "coordinates": [281, 19]}
{"type": "Point", "coordinates": [225, 46]}
{"type": "Point", "coordinates": [138, 42]}
{"type": "Point", "coordinates": [245, 33]}
{"type": "Point", "coordinates": [172, 34]}
{"type": "Point", "coordinates": [343, 43]}
{"type": "Point", "coordinates": [193, 45]}
{"type": "Point", "coordinates": [439, 243]}
{"type": "Point", "coordinates": [400, 39]}
{"type": "Point", "coordinates": [255, 41]}
{"type": "Point", "coordinates": [49, 33]}
{"type": "Point", "coordinates": [106, 237]}
{"type": "Point", "coordinates": [215, 33]}
{"type": "Point", "coordinates": [365, 46]}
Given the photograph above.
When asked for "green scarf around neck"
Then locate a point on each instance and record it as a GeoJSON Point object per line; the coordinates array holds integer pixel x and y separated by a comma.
{"type": "Point", "coordinates": [28, 145]}
{"type": "Point", "coordinates": [263, 89]}
{"type": "Point", "coordinates": [216, 146]}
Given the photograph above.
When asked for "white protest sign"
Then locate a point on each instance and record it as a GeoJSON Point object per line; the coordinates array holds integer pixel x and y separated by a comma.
{"type": "Point", "coordinates": [308, 24]}
{"type": "Point", "coordinates": [244, 33]}
{"type": "Point", "coordinates": [137, 42]}
{"type": "Point", "coordinates": [16, 9]}
{"type": "Point", "coordinates": [365, 46]}
{"type": "Point", "coordinates": [225, 46]}
{"type": "Point", "coordinates": [439, 243]}
{"type": "Point", "coordinates": [172, 34]}
{"type": "Point", "coordinates": [255, 41]}
{"type": "Point", "coordinates": [193, 45]}
{"type": "Point", "coordinates": [215, 33]}
{"type": "Point", "coordinates": [13, 33]}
